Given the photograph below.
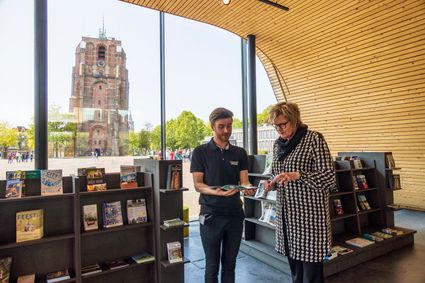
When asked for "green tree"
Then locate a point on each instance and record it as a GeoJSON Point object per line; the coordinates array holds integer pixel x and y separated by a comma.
{"type": "Point", "coordinates": [8, 137]}
{"type": "Point", "coordinates": [155, 142]}
{"type": "Point", "coordinates": [237, 123]}
{"type": "Point", "coordinates": [62, 130]}
{"type": "Point", "coordinates": [262, 117]}
{"type": "Point", "coordinates": [145, 140]}
{"type": "Point", "coordinates": [188, 130]}
{"type": "Point", "coordinates": [133, 143]}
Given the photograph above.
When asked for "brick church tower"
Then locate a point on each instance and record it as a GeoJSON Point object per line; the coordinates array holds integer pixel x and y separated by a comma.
{"type": "Point", "coordinates": [99, 98]}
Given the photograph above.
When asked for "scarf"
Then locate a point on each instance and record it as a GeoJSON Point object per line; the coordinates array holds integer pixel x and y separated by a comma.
{"type": "Point", "coordinates": [286, 146]}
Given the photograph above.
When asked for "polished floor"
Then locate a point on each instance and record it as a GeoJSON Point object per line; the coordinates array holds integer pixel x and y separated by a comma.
{"type": "Point", "coordinates": [404, 265]}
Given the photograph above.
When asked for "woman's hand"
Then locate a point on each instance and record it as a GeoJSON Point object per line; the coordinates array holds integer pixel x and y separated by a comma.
{"type": "Point", "coordinates": [285, 177]}
{"type": "Point", "coordinates": [268, 185]}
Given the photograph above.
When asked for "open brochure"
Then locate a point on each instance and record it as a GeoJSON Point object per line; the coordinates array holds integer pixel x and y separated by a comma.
{"type": "Point", "coordinates": [237, 187]}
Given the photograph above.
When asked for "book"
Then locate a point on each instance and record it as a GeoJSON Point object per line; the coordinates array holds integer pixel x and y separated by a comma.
{"type": "Point", "coordinates": [330, 256]}
{"type": "Point", "coordinates": [334, 189]}
{"type": "Point", "coordinates": [112, 215]}
{"type": "Point", "coordinates": [57, 276]}
{"type": "Point", "coordinates": [29, 225]}
{"type": "Point", "coordinates": [392, 231]}
{"type": "Point", "coordinates": [364, 204]}
{"type": "Point", "coordinates": [359, 242]}
{"type": "Point", "coordinates": [395, 183]}
{"type": "Point", "coordinates": [381, 235]}
{"type": "Point", "coordinates": [13, 188]}
{"type": "Point", "coordinates": [389, 160]}
{"type": "Point", "coordinates": [116, 264]}
{"type": "Point", "coordinates": [91, 269]}
{"type": "Point", "coordinates": [174, 177]}
{"type": "Point", "coordinates": [361, 182]}
{"type": "Point", "coordinates": [128, 176]}
{"type": "Point", "coordinates": [357, 163]}
{"type": "Point", "coordinates": [338, 206]}
{"type": "Point", "coordinates": [268, 214]}
{"type": "Point", "coordinates": [261, 192]}
{"type": "Point", "coordinates": [340, 250]}
{"type": "Point", "coordinates": [90, 217]}
{"type": "Point", "coordinates": [143, 257]}
{"type": "Point", "coordinates": [96, 179]}
{"type": "Point", "coordinates": [372, 237]}
{"type": "Point", "coordinates": [51, 182]}
{"type": "Point", "coordinates": [354, 181]}
{"type": "Point", "coordinates": [23, 176]}
{"type": "Point", "coordinates": [29, 278]}
{"type": "Point", "coordinates": [236, 187]}
{"type": "Point", "coordinates": [174, 222]}
{"type": "Point", "coordinates": [174, 252]}
{"type": "Point", "coordinates": [136, 211]}
{"type": "Point", "coordinates": [268, 164]}
{"type": "Point", "coordinates": [5, 267]}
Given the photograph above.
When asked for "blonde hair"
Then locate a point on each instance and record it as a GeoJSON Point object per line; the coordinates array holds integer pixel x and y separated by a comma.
{"type": "Point", "coordinates": [288, 109]}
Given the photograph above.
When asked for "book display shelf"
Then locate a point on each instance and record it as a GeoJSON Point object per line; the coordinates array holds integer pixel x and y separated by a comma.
{"type": "Point", "coordinates": [121, 242]}
{"type": "Point", "coordinates": [168, 205]}
{"type": "Point", "coordinates": [349, 221]}
{"type": "Point", "coordinates": [65, 243]}
{"type": "Point", "coordinates": [55, 250]}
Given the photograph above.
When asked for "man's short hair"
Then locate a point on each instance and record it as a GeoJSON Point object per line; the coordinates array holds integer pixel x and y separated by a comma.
{"type": "Point", "coordinates": [220, 113]}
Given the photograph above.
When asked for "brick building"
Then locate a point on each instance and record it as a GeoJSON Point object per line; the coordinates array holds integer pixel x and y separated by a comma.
{"type": "Point", "coordinates": [100, 95]}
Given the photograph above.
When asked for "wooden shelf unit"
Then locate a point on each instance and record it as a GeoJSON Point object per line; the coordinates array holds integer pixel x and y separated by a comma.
{"type": "Point", "coordinates": [259, 238]}
{"type": "Point", "coordinates": [168, 205]}
{"type": "Point", "coordinates": [65, 243]}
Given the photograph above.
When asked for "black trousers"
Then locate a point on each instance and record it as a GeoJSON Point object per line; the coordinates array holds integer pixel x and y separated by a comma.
{"type": "Point", "coordinates": [221, 238]}
{"type": "Point", "coordinates": [302, 271]}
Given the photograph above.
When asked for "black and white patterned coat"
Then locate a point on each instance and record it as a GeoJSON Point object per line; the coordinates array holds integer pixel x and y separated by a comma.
{"type": "Point", "coordinates": [305, 202]}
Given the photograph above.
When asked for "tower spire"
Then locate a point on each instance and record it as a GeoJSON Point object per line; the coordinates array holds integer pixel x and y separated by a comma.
{"type": "Point", "coordinates": [102, 31]}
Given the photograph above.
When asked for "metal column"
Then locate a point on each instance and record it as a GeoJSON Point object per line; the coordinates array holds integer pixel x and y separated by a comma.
{"type": "Point", "coordinates": [252, 93]}
{"type": "Point", "coordinates": [40, 84]}
{"type": "Point", "coordinates": [244, 95]}
{"type": "Point", "coordinates": [162, 80]}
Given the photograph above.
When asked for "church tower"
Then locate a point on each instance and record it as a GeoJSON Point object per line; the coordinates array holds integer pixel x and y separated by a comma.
{"type": "Point", "coordinates": [99, 98]}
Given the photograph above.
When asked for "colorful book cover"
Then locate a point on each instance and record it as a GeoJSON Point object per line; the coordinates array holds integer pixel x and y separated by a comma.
{"type": "Point", "coordinates": [174, 177]}
{"type": "Point", "coordinates": [83, 171]}
{"type": "Point", "coordinates": [136, 211]}
{"type": "Point", "coordinates": [5, 265]}
{"type": "Point", "coordinates": [338, 206]}
{"type": "Point", "coordinates": [13, 188]}
{"type": "Point", "coordinates": [340, 250]}
{"type": "Point", "coordinates": [90, 217]}
{"type": "Point", "coordinates": [51, 182]}
{"type": "Point", "coordinates": [143, 257]}
{"type": "Point", "coordinates": [174, 252]}
{"type": "Point", "coordinates": [359, 242]}
{"type": "Point", "coordinates": [261, 192]}
{"type": "Point", "coordinates": [173, 222]}
{"type": "Point", "coordinates": [112, 215]}
{"type": "Point", "coordinates": [30, 278]}
{"type": "Point", "coordinates": [29, 225]}
{"type": "Point", "coordinates": [268, 164]}
{"type": "Point", "coordinates": [96, 179]}
{"type": "Point", "coordinates": [23, 175]}
{"type": "Point", "coordinates": [128, 176]}
{"type": "Point", "coordinates": [58, 276]}
{"type": "Point", "coordinates": [361, 182]}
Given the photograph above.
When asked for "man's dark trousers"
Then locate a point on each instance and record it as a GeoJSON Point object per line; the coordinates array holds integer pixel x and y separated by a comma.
{"type": "Point", "coordinates": [221, 233]}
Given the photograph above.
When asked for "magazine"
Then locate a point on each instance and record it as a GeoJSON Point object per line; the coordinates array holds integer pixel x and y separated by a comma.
{"type": "Point", "coordinates": [359, 242]}
{"type": "Point", "coordinates": [90, 217]}
{"type": "Point", "coordinates": [51, 182]}
{"type": "Point", "coordinates": [128, 176]}
{"type": "Point", "coordinates": [91, 269]}
{"type": "Point", "coordinates": [261, 192]}
{"type": "Point", "coordinates": [29, 225]}
{"type": "Point", "coordinates": [30, 278]}
{"type": "Point", "coordinates": [268, 164]}
{"type": "Point", "coordinates": [13, 188]}
{"type": "Point", "coordinates": [57, 276]}
{"type": "Point", "coordinates": [96, 179]}
{"type": "Point", "coordinates": [174, 252]}
{"type": "Point", "coordinates": [268, 213]}
{"type": "Point", "coordinates": [136, 211]}
{"type": "Point", "coordinates": [236, 187]}
{"type": "Point", "coordinates": [5, 266]}
{"type": "Point", "coordinates": [116, 264]}
{"type": "Point", "coordinates": [174, 177]}
{"type": "Point", "coordinates": [143, 257]}
{"type": "Point", "coordinates": [112, 215]}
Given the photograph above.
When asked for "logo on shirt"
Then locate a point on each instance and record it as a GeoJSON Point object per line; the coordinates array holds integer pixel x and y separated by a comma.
{"type": "Point", "coordinates": [234, 163]}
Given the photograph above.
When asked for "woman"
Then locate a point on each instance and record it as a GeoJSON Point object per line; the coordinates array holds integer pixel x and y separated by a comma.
{"type": "Point", "coordinates": [303, 175]}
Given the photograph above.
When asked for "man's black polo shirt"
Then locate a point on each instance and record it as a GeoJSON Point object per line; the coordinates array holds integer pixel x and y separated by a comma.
{"type": "Point", "coordinates": [220, 167]}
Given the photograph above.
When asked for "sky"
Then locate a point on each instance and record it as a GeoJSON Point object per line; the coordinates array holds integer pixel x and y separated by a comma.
{"type": "Point", "coordinates": [203, 62]}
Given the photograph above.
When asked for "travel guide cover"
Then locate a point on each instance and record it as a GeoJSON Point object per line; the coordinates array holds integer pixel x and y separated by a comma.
{"type": "Point", "coordinates": [112, 215]}
{"type": "Point", "coordinates": [128, 176]}
{"type": "Point", "coordinates": [174, 177]}
{"type": "Point", "coordinates": [96, 179]}
{"type": "Point", "coordinates": [136, 211]}
{"type": "Point", "coordinates": [13, 188]}
{"type": "Point", "coordinates": [29, 225]}
{"type": "Point", "coordinates": [51, 182]}
{"type": "Point", "coordinates": [174, 252]}
{"type": "Point", "coordinates": [90, 217]}
{"type": "Point", "coordinates": [22, 176]}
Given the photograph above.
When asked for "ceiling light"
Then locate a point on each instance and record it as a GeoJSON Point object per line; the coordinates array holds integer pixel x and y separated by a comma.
{"type": "Point", "coordinates": [226, 2]}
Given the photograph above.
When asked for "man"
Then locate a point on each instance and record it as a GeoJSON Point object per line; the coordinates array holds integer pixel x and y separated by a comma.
{"type": "Point", "coordinates": [215, 164]}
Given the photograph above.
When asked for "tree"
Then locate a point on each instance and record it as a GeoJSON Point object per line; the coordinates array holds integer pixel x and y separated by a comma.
{"type": "Point", "coordinates": [189, 130]}
{"type": "Point", "coordinates": [145, 140]}
{"type": "Point", "coordinates": [133, 143]}
{"type": "Point", "coordinates": [262, 117]}
{"type": "Point", "coordinates": [62, 130]}
{"type": "Point", "coordinates": [237, 123]}
{"type": "Point", "coordinates": [8, 137]}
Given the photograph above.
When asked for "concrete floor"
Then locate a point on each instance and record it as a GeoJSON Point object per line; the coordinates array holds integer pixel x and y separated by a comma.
{"type": "Point", "coordinates": [404, 265]}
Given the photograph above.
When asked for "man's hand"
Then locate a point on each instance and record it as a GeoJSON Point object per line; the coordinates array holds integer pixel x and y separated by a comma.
{"type": "Point", "coordinates": [223, 193]}
{"type": "Point", "coordinates": [249, 192]}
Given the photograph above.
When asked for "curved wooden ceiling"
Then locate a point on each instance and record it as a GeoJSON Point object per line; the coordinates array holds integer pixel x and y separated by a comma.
{"type": "Point", "coordinates": [356, 69]}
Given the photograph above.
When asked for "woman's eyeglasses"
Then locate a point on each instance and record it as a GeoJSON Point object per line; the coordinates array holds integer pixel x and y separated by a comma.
{"type": "Point", "coordinates": [280, 126]}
